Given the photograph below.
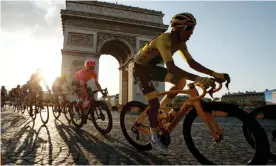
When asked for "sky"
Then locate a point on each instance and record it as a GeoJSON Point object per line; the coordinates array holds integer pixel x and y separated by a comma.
{"type": "Point", "coordinates": [238, 38]}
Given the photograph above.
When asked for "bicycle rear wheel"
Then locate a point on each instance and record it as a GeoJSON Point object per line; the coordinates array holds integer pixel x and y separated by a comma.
{"type": "Point", "coordinates": [139, 140]}
{"type": "Point", "coordinates": [261, 150]}
{"type": "Point", "coordinates": [97, 113]}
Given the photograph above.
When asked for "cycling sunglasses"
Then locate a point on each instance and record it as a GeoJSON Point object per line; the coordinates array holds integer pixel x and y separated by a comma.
{"type": "Point", "coordinates": [91, 68]}
{"type": "Point", "coordinates": [189, 28]}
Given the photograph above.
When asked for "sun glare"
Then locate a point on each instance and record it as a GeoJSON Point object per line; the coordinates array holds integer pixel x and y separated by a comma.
{"type": "Point", "coordinates": [50, 67]}
{"type": "Point", "coordinates": [28, 54]}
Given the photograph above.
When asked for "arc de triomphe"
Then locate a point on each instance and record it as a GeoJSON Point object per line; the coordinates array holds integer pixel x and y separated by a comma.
{"type": "Point", "coordinates": [94, 28]}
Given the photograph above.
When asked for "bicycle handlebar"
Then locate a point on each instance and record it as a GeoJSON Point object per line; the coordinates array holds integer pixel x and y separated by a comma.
{"type": "Point", "coordinates": [212, 90]}
{"type": "Point", "coordinates": [96, 91]}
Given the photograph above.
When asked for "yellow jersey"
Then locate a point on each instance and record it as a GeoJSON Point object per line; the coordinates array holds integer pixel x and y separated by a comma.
{"type": "Point", "coordinates": [160, 49]}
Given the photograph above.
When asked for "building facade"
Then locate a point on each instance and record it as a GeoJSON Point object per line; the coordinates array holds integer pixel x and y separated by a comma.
{"type": "Point", "coordinates": [245, 99]}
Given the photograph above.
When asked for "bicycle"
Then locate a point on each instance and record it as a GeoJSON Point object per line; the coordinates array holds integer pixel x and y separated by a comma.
{"type": "Point", "coordinates": [61, 105]}
{"type": "Point", "coordinates": [192, 108]}
{"type": "Point", "coordinates": [38, 106]}
{"type": "Point", "coordinates": [265, 111]}
{"type": "Point", "coordinates": [95, 107]}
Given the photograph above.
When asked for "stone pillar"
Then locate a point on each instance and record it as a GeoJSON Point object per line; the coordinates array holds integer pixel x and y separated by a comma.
{"type": "Point", "coordinates": [131, 88]}
{"type": "Point", "coordinates": [123, 90]}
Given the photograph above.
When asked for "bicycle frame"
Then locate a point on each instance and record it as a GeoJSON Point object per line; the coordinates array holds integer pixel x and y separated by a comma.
{"type": "Point", "coordinates": [192, 102]}
{"type": "Point", "coordinates": [90, 98]}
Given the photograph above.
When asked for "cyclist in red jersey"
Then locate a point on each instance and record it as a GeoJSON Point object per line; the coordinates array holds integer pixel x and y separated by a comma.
{"type": "Point", "coordinates": [82, 76]}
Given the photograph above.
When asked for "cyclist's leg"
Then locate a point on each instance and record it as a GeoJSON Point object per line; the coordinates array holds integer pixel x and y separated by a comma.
{"type": "Point", "coordinates": [22, 96]}
{"type": "Point", "coordinates": [76, 86]}
{"type": "Point", "coordinates": [143, 79]}
{"type": "Point", "coordinates": [179, 84]}
{"type": "Point", "coordinates": [164, 76]}
{"type": "Point", "coordinates": [40, 95]}
{"type": "Point", "coordinates": [76, 89]}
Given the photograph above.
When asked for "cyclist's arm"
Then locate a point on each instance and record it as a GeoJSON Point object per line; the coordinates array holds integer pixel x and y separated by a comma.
{"type": "Point", "coordinates": [45, 82]}
{"type": "Point", "coordinates": [192, 63]}
{"type": "Point", "coordinates": [171, 67]}
{"type": "Point", "coordinates": [97, 84]}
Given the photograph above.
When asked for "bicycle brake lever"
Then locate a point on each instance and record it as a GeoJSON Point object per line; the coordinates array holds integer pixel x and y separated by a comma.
{"type": "Point", "coordinates": [228, 80]}
{"type": "Point", "coordinates": [210, 92]}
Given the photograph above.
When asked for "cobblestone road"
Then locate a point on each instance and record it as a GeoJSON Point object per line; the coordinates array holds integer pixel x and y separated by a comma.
{"type": "Point", "coordinates": [59, 143]}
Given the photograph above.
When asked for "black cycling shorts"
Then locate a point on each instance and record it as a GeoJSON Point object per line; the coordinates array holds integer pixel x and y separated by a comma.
{"type": "Point", "coordinates": [144, 75]}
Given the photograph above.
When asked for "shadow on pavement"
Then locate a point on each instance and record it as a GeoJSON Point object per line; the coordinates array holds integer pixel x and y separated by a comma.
{"type": "Point", "coordinates": [88, 149]}
{"type": "Point", "coordinates": [18, 146]}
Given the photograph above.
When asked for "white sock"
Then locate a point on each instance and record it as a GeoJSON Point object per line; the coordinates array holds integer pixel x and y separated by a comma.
{"type": "Point", "coordinates": [154, 136]}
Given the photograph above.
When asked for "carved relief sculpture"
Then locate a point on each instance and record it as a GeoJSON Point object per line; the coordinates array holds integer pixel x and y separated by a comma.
{"type": "Point", "coordinates": [80, 39]}
{"type": "Point", "coordinates": [109, 11]}
{"type": "Point", "coordinates": [102, 36]}
{"type": "Point", "coordinates": [76, 65]}
{"type": "Point", "coordinates": [122, 27]}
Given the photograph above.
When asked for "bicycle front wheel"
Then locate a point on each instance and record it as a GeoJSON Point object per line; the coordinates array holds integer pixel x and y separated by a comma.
{"type": "Point", "coordinates": [241, 152]}
{"type": "Point", "coordinates": [76, 115]}
{"type": "Point", "coordinates": [44, 113]}
{"type": "Point", "coordinates": [66, 110]}
{"type": "Point", "coordinates": [101, 112]}
{"type": "Point", "coordinates": [137, 138]}
{"type": "Point", "coordinates": [56, 109]}
{"type": "Point", "coordinates": [32, 110]}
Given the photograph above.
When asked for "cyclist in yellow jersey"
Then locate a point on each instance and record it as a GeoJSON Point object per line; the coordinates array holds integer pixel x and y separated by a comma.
{"type": "Point", "coordinates": [161, 49]}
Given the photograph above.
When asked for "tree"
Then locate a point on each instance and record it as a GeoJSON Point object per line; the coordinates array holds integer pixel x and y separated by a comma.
{"type": "Point", "coordinates": [216, 99]}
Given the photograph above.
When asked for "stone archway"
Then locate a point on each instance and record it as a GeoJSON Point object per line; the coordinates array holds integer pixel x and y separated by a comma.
{"type": "Point", "coordinates": [120, 50]}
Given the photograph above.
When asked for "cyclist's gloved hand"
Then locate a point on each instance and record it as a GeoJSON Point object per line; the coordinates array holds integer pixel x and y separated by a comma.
{"type": "Point", "coordinates": [103, 93]}
{"type": "Point", "coordinates": [205, 82]}
{"type": "Point", "coordinates": [219, 76]}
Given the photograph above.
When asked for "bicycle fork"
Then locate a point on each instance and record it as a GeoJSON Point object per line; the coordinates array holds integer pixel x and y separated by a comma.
{"type": "Point", "coordinates": [138, 125]}
{"type": "Point", "coordinates": [209, 121]}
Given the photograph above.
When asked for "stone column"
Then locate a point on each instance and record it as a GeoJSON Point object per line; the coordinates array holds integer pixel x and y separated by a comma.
{"type": "Point", "coordinates": [123, 90]}
{"type": "Point", "coordinates": [131, 87]}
